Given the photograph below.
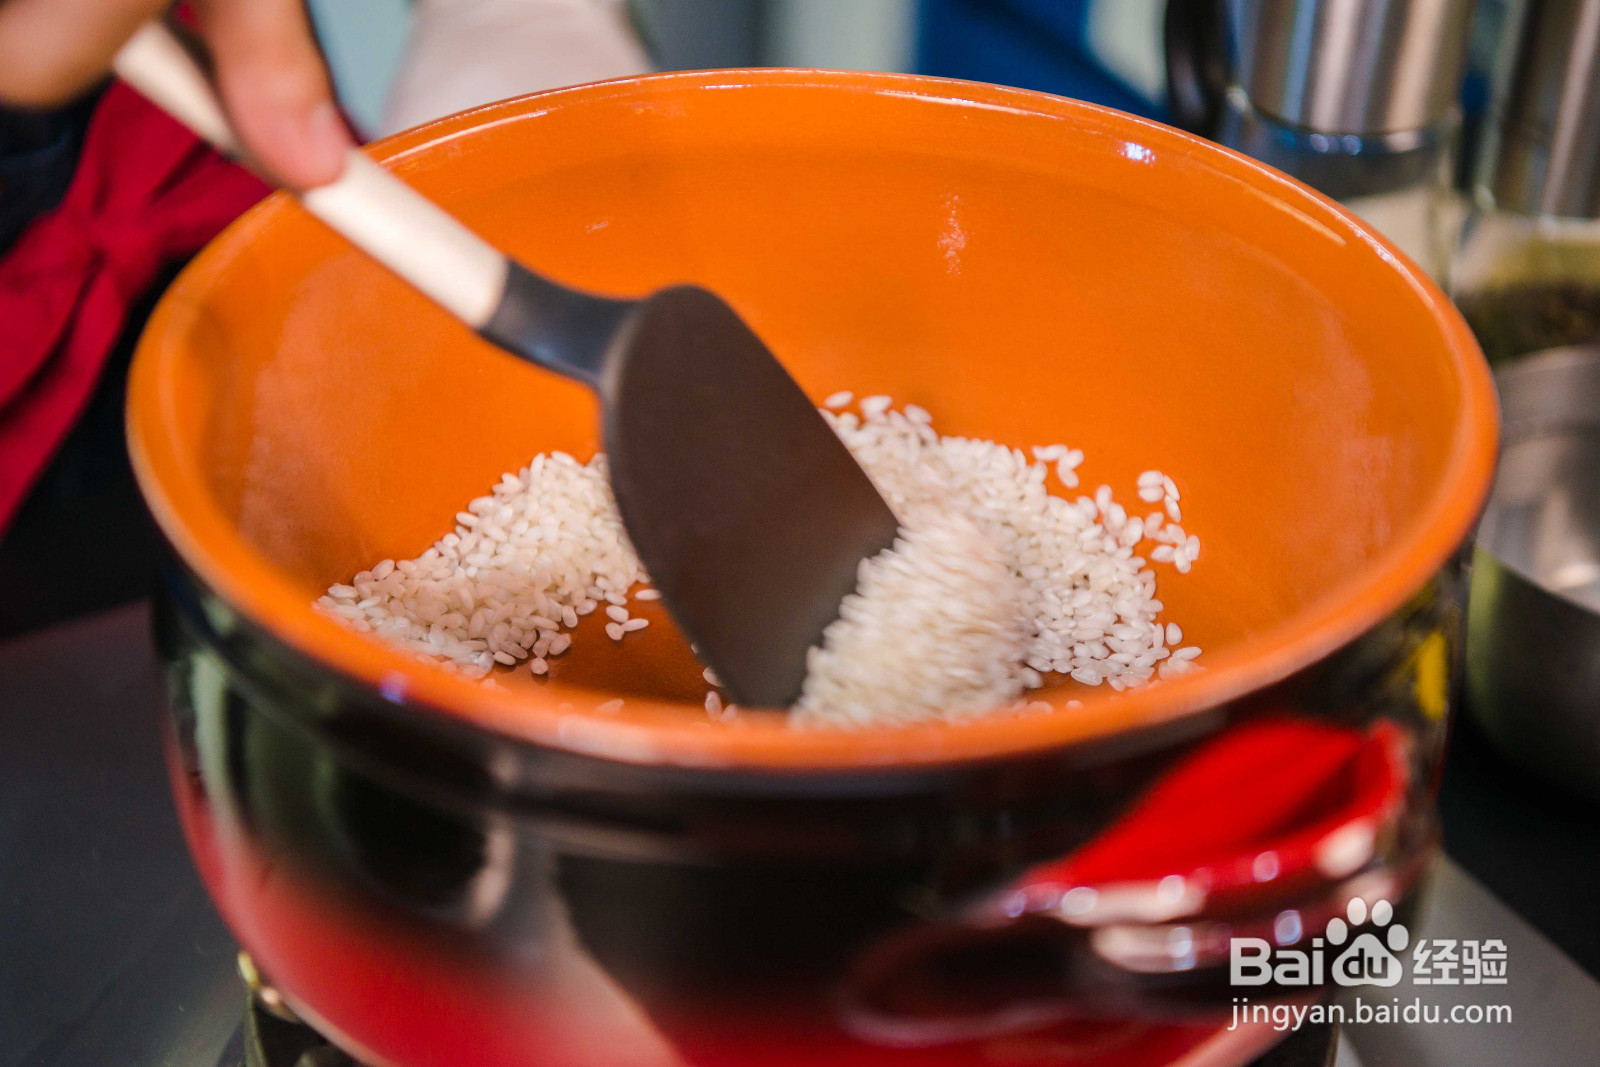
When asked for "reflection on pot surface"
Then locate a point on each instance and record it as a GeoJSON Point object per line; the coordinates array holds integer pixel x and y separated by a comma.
{"type": "Point", "coordinates": [523, 903]}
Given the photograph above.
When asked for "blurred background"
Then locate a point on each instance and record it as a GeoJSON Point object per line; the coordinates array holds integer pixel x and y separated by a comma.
{"type": "Point", "coordinates": [1109, 51]}
{"type": "Point", "coordinates": [1414, 79]}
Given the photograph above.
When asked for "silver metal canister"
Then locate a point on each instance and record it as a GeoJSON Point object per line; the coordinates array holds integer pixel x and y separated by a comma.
{"type": "Point", "coordinates": [1533, 631]}
{"type": "Point", "coordinates": [1354, 97]}
{"type": "Point", "coordinates": [1527, 276]}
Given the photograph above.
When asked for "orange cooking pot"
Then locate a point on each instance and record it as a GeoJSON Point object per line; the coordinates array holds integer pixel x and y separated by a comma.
{"type": "Point", "coordinates": [438, 872]}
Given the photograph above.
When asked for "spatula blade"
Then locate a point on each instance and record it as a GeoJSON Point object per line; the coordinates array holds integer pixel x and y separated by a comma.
{"type": "Point", "coordinates": [747, 510]}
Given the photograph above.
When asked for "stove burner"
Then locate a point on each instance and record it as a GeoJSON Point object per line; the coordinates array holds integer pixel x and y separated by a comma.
{"type": "Point", "coordinates": [273, 1042]}
{"type": "Point", "coordinates": [275, 1037]}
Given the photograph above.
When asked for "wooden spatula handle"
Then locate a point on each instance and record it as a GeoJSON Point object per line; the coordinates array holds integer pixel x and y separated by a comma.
{"type": "Point", "coordinates": [376, 211]}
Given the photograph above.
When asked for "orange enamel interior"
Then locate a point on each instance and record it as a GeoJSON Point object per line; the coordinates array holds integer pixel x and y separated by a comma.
{"type": "Point", "coordinates": [1029, 269]}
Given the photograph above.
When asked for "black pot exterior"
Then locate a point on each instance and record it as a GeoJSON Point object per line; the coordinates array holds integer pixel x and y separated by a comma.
{"type": "Point", "coordinates": [429, 894]}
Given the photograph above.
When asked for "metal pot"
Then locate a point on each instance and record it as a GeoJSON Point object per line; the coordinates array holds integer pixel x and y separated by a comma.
{"type": "Point", "coordinates": [435, 872]}
{"type": "Point", "coordinates": [1533, 639]}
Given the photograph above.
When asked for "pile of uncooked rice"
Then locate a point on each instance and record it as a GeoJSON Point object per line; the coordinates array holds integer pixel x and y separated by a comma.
{"type": "Point", "coordinates": [937, 625]}
{"type": "Point", "coordinates": [994, 584]}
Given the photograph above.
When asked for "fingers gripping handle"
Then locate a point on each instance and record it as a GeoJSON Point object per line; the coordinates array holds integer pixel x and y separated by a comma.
{"type": "Point", "coordinates": [376, 211]}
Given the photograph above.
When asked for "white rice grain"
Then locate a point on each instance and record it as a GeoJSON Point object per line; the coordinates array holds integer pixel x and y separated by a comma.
{"type": "Point", "coordinates": [995, 588]}
{"type": "Point", "coordinates": [936, 629]}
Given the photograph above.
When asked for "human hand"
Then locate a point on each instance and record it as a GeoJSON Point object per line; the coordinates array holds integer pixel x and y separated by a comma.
{"type": "Point", "coordinates": [268, 71]}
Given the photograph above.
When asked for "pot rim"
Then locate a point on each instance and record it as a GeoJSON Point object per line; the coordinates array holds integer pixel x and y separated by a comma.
{"type": "Point", "coordinates": [657, 732]}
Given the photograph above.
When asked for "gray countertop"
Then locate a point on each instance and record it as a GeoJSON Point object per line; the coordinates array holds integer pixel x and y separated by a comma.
{"type": "Point", "coordinates": [110, 953]}
{"type": "Point", "coordinates": [1555, 1005]}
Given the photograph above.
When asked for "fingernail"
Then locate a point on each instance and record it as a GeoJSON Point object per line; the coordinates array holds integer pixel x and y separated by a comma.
{"type": "Point", "coordinates": [327, 141]}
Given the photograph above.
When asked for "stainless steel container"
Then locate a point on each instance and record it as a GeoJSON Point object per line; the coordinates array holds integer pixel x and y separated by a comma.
{"type": "Point", "coordinates": [1364, 67]}
{"type": "Point", "coordinates": [1533, 635]}
{"type": "Point", "coordinates": [1354, 97]}
{"type": "Point", "coordinates": [1527, 274]}
{"type": "Point", "coordinates": [1546, 156]}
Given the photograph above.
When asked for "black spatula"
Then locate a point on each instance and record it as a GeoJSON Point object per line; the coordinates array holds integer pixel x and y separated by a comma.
{"type": "Point", "coordinates": [747, 511]}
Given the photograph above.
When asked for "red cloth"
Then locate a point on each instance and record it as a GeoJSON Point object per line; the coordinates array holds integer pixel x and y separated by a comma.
{"type": "Point", "coordinates": [146, 193]}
